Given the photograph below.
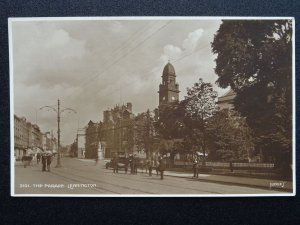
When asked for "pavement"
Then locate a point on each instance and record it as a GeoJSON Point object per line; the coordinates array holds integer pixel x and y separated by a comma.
{"type": "Point", "coordinates": [242, 181]}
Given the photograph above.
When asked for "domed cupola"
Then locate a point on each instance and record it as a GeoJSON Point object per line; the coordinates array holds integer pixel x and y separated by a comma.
{"type": "Point", "coordinates": [168, 89]}
{"type": "Point", "coordinates": [169, 70]}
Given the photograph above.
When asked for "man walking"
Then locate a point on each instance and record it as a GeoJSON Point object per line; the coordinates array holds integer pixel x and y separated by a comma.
{"type": "Point", "coordinates": [49, 159]}
{"type": "Point", "coordinates": [126, 164]}
{"type": "Point", "coordinates": [115, 163]}
{"type": "Point", "coordinates": [195, 167]}
{"type": "Point", "coordinates": [150, 166]}
{"type": "Point", "coordinates": [96, 160]}
{"type": "Point", "coordinates": [156, 165]}
{"type": "Point", "coordinates": [131, 163]}
{"type": "Point", "coordinates": [38, 157]}
{"type": "Point", "coordinates": [135, 164]}
{"type": "Point", "coordinates": [162, 167]}
{"type": "Point", "coordinates": [44, 161]}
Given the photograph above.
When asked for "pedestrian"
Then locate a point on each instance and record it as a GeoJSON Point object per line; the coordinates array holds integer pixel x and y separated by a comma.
{"type": "Point", "coordinates": [150, 166]}
{"type": "Point", "coordinates": [126, 164]}
{"type": "Point", "coordinates": [48, 159]}
{"type": "Point", "coordinates": [131, 164]}
{"type": "Point", "coordinates": [38, 157]}
{"type": "Point", "coordinates": [146, 163]}
{"type": "Point", "coordinates": [231, 166]}
{"type": "Point", "coordinates": [195, 167]}
{"type": "Point", "coordinates": [96, 160]}
{"type": "Point", "coordinates": [44, 161]}
{"type": "Point", "coordinates": [135, 164]}
{"type": "Point", "coordinates": [115, 163]}
{"type": "Point", "coordinates": [162, 167]}
{"type": "Point", "coordinates": [27, 160]}
{"type": "Point", "coordinates": [156, 165]}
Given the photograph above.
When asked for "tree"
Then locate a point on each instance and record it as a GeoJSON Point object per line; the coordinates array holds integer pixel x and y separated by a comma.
{"type": "Point", "coordinates": [172, 120]}
{"type": "Point", "coordinates": [144, 132]}
{"type": "Point", "coordinates": [255, 60]}
{"type": "Point", "coordinates": [229, 137]}
{"type": "Point", "coordinates": [173, 127]}
{"type": "Point", "coordinates": [200, 104]}
{"type": "Point", "coordinates": [74, 149]}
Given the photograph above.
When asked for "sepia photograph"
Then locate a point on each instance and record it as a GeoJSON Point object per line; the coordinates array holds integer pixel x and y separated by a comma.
{"type": "Point", "coordinates": [152, 106]}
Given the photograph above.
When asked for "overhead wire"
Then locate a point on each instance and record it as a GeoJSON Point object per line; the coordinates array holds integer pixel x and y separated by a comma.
{"type": "Point", "coordinates": [126, 85]}
{"type": "Point", "coordinates": [121, 47]}
{"type": "Point", "coordinates": [123, 56]}
{"type": "Point", "coordinates": [128, 53]}
{"type": "Point", "coordinates": [124, 45]}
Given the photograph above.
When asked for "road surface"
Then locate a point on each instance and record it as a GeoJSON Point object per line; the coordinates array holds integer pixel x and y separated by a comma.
{"type": "Point", "coordinates": [85, 177]}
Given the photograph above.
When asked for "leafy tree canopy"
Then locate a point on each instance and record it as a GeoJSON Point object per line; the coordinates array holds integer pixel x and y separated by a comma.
{"type": "Point", "coordinates": [253, 51]}
{"type": "Point", "coordinates": [229, 137]}
{"type": "Point", "coordinates": [254, 58]}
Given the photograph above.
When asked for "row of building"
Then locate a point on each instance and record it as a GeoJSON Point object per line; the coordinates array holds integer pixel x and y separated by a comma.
{"type": "Point", "coordinates": [117, 132]}
{"type": "Point", "coordinates": [114, 134]}
{"type": "Point", "coordinates": [29, 138]}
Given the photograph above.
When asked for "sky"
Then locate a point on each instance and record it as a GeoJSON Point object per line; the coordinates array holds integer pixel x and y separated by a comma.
{"type": "Point", "coordinates": [92, 65]}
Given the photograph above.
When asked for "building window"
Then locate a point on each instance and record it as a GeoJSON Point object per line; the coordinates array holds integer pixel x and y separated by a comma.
{"type": "Point", "coordinates": [173, 98]}
{"type": "Point", "coordinates": [164, 98]}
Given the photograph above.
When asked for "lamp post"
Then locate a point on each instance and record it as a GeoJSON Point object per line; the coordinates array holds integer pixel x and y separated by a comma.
{"type": "Point", "coordinates": [58, 112]}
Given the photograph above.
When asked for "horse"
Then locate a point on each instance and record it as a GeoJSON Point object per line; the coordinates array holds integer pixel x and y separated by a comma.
{"type": "Point", "coordinates": [27, 160]}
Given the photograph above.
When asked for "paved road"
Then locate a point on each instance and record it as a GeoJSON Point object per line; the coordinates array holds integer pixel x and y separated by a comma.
{"type": "Point", "coordinates": [85, 177]}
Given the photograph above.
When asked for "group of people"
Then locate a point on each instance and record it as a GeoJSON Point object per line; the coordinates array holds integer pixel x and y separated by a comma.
{"type": "Point", "coordinates": [45, 157]}
{"type": "Point", "coordinates": [46, 161]}
{"type": "Point", "coordinates": [134, 162]}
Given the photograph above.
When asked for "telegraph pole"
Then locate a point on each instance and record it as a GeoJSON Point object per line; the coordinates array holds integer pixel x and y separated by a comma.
{"type": "Point", "coordinates": [58, 112]}
{"type": "Point", "coordinates": [58, 136]}
{"type": "Point", "coordinates": [120, 133]}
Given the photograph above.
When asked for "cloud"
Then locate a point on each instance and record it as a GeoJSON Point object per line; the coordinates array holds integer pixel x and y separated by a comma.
{"type": "Point", "coordinates": [190, 43]}
{"type": "Point", "coordinates": [75, 61]}
{"type": "Point", "coordinates": [191, 64]}
{"type": "Point", "coordinates": [171, 52]}
{"type": "Point", "coordinates": [45, 55]}
{"type": "Point", "coordinates": [64, 46]}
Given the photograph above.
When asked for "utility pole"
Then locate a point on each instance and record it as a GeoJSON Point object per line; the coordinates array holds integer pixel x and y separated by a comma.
{"type": "Point", "coordinates": [146, 130]}
{"type": "Point", "coordinates": [35, 116]}
{"type": "Point", "coordinates": [120, 132]}
{"type": "Point", "coordinates": [147, 135]}
{"type": "Point", "coordinates": [58, 136]}
{"type": "Point", "coordinates": [58, 112]}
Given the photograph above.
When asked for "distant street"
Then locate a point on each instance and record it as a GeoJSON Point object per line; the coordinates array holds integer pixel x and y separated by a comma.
{"type": "Point", "coordinates": [81, 176]}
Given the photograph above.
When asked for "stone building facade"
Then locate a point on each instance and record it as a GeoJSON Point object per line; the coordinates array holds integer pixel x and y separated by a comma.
{"type": "Point", "coordinates": [49, 142]}
{"type": "Point", "coordinates": [91, 140]}
{"type": "Point", "coordinates": [116, 132]}
{"type": "Point", "coordinates": [26, 136]}
{"type": "Point", "coordinates": [20, 136]}
{"type": "Point", "coordinates": [35, 136]}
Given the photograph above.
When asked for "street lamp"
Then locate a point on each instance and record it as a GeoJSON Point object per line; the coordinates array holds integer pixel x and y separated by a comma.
{"type": "Point", "coordinates": [58, 112]}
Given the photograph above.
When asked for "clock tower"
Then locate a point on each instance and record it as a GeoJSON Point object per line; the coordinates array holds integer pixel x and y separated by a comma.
{"type": "Point", "coordinates": [168, 89]}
